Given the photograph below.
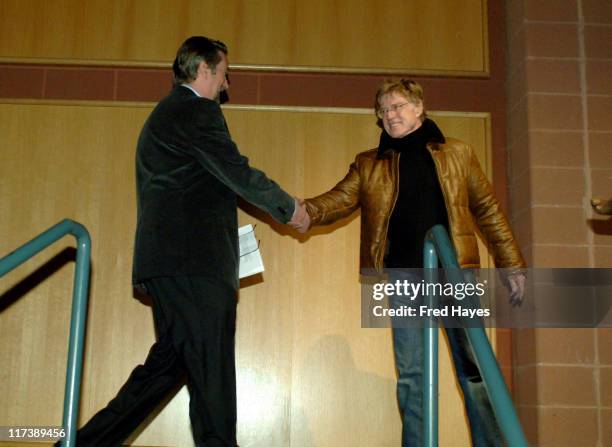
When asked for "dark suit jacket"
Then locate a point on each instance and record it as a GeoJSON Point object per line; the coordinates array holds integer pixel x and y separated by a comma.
{"type": "Point", "coordinates": [189, 173]}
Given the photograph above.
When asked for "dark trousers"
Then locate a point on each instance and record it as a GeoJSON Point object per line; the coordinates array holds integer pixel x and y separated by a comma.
{"type": "Point", "coordinates": [195, 320]}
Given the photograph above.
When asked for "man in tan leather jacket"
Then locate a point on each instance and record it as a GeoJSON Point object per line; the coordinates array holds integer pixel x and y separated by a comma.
{"type": "Point", "coordinates": [415, 179]}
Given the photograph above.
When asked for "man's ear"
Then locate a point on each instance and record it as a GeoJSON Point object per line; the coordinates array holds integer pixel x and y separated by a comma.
{"type": "Point", "coordinates": [203, 69]}
{"type": "Point", "coordinates": [419, 108]}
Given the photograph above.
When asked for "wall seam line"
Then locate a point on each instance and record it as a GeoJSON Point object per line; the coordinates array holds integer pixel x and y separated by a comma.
{"type": "Point", "coordinates": [588, 193]}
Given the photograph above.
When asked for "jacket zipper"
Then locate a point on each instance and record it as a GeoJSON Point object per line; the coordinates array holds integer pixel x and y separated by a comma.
{"type": "Point", "coordinates": [395, 194]}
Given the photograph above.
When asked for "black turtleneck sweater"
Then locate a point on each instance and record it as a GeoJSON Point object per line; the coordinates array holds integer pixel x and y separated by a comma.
{"type": "Point", "coordinates": [420, 202]}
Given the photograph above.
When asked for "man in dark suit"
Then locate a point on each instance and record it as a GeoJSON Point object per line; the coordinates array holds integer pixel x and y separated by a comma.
{"type": "Point", "coordinates": [189, 174]}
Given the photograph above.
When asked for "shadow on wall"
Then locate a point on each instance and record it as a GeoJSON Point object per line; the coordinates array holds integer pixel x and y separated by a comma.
{"type": "Point", "coordinates": [30, 282]}
{"type": "Point", "coordinates": [333, 392]}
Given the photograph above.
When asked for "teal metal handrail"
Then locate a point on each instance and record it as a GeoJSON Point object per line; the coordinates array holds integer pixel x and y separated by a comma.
{"type": "Point", "coordinates": [79, 310]}
{"type": "Point", "coordinates": [437, 243]}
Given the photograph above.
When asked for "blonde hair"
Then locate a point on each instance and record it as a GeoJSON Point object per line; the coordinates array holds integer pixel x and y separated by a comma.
{"type": "Point", "coordinates": [409, 89]}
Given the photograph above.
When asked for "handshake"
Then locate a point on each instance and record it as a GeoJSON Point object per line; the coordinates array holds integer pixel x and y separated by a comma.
{"type": "Point", "coordinates": [300, 220]}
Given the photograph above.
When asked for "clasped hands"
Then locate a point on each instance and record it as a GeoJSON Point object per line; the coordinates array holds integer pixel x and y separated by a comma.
{"type": "Point", "coordinates": [300, 220]}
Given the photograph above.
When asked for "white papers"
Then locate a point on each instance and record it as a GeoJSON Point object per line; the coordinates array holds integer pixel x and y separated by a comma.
{"type": "Point", "coordinates": [250, 257]}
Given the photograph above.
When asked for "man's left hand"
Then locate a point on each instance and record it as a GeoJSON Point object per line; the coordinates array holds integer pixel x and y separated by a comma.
{"type": "Point", "coordinates": [517, 288]}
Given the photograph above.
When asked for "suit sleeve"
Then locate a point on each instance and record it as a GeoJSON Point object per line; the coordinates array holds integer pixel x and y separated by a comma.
{"type": "Point", "coordinates": [216, 152]}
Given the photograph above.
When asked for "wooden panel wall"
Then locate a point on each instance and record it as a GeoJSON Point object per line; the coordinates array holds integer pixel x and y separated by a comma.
{"type": "Point", "coordinates": [418, 36]}
{"type": "Point", "coordinates": [308, 375]}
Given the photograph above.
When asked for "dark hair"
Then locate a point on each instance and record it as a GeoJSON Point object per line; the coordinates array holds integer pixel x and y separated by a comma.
{"type": "Point", "coordinates": [194, 50]}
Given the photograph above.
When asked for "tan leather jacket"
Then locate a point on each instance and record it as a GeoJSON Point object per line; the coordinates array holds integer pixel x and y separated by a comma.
{"type": "Point", "coordinates": [372, 184]}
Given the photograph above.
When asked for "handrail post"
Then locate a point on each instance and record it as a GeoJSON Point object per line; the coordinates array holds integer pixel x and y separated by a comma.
{"type": "Point", "coordinates": [80, 295]}
{"type": "Point", "coordinates": [76, 342]}
{"type": "Point", "coordinates": [430, 353]}
{"type": "Point", "coordinates": [497, 390]}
